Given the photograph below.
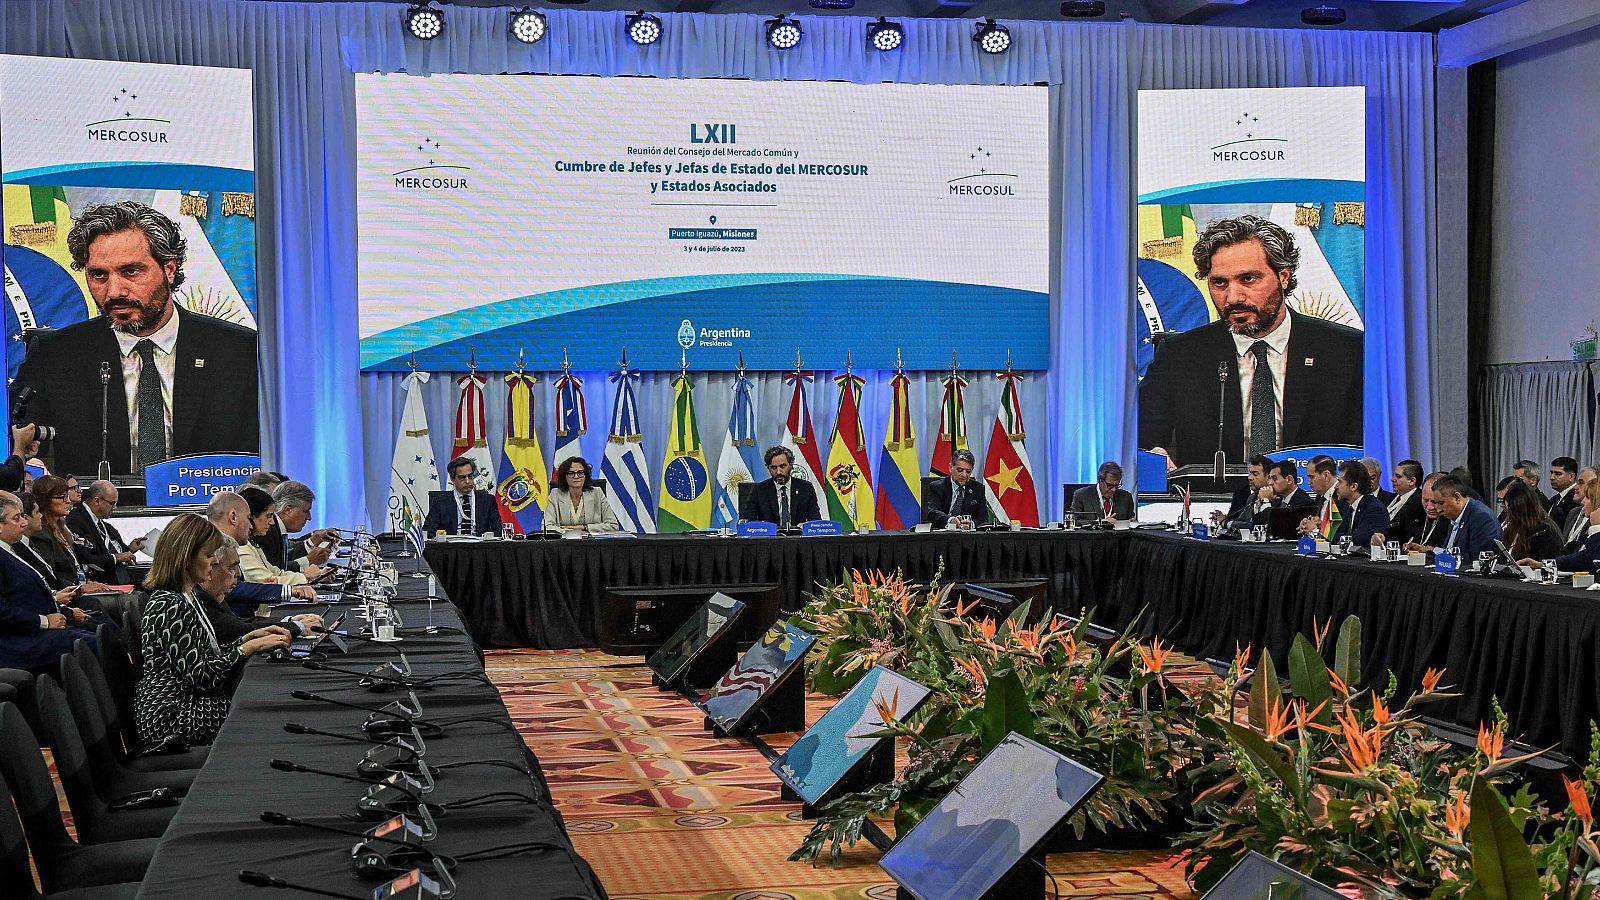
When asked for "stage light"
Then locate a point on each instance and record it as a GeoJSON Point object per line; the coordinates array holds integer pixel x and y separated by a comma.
{"type": "Point", "coordinates": [1083, 9]}
{"type": "Point", "coordinates": [992, 37]}
{"type": "Point", "coordinates": [644, 28]}
{"type": "Point", "coordinates": [424, 22]}
{"type": "Point", "coordinates": [783, 32]}
{"type": "Point", "coordinates": [1323, 15]}
{"type": "Point", "coordinates": [527, 26]}
{"type": "Point", "coordinates": [885, 35]}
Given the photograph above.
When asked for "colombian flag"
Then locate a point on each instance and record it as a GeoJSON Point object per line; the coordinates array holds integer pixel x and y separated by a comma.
{"type": "Point", "coordinates": [899, 485]}
{"type": "Point", "coordinates": [849, 475]}
{"type": "Point", "coordinates": [685, 481]}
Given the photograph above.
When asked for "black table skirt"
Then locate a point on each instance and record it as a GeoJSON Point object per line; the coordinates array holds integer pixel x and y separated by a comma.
{"type": "Point", "coordinates": [546, 594]}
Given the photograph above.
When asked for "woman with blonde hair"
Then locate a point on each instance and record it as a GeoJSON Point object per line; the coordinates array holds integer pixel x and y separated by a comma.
{"type": "Point", "coordinates": [184, 686]}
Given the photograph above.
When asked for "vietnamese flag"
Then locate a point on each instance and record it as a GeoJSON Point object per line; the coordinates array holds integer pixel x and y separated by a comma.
{"type": "Point", "coordinates": [1006, 469]}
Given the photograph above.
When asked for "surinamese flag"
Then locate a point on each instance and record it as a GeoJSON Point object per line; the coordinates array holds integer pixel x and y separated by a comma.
{"type": "Point", "coordinates": [1009, 474]}
{"type": "Point", "coordinates": [625, 469]}
{"type": "Point", "coordinates": [899, 476]}
{"type": "Point", "coordinates": [849, 480]}
{"type": "Point", "coordinates": [740, 458]}
{"type": "Point", "coordinates": [414, 471]}
{"type": "Point", "coordinates": [522, 488]}
{"type": "Point", "coordinates": [685, 481]}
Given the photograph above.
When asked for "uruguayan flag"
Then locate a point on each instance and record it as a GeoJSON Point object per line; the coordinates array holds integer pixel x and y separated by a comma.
{"type": "Point", "coordinates": [625, 469]}
{"type": "Point", "coordinates": [740, 458]}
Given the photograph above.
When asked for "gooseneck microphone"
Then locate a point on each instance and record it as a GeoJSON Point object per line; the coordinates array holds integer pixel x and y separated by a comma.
{"type": "Point", "coordinates": [414, 855]}
{"type": "Point", "coordinates": [262, 879]}
{"type": "Point", "coordinates": [370, 806]}
{"type": "Point", "coordinates": [394, 707]}
{"type": "Point", "coordinates": [397, 742]}
{"type": "Point", "coordinates": [1219, 462]}
{"type": "Point", "coordinates": [375, 678]}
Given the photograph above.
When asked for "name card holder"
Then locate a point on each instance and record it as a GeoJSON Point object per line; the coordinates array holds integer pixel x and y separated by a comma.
{"type": "Point", "coordinates": [757, 528]}
{"type": "Point", "coordinates": [820, 527]}
{"type": "Point", "coordinates": [1307, 546]}
{"type": "Point", "coordinates": [1446, 563]}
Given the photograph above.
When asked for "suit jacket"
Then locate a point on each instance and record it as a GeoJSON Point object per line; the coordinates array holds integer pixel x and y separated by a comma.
{"type": "Point", "coordinates": [1386, 496]}
{"type": "Point", "coordinates": [1407, 523]}
{"type": "Point", "coordinates": [1434, 532]}
{"type": "Point", "coordinates": [95, 552]}
{"type": "Point", "coordinates": [246, 596]}
{"type": "Point", "coordinates": [1298, 499]}
{"type": "Point", "coordinates": [1574, 530]}
{"type": "Point", "coordinates": [1087, 500]}
{"type": "Point", "coordinates": [62, 560]}
{"type": "Point", "coordinates": [444, 511]}
{"type": "Point", "coordinates": [213, 391]}
{"type": "Point", "coordinates": [257, 570]}
{"type": "Point", "coordinates": [1322, 391]}
{"type": "Point", "coordinates": [803, 506]}
{"type": "Point", "coordinates": [1369, 518]}
{"type": "Point", "coordinates": [1585, 559]}
{"type": "Point", "coordinates": [936, 502]}
{"type": "Point", "coordinates": [24, 597]}
{"type": "Point", "coordinates": [1561, 505]}
{"type": "Point", "coordinates": [594, 511]}
{"type": "Point", "coordinates": [1477, 532]}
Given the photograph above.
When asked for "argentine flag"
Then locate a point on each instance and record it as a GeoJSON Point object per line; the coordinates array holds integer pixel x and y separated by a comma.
{"type": "Point", "coordinates": [740, 458]}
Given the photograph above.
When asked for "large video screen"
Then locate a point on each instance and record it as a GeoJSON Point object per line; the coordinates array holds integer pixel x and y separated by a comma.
{"type": "Point", "coordinates": [1252, 271]}
{"type": "Point", "coordinates": [130, 218]}
{"type": "Point", "coordinates": [713, 217]}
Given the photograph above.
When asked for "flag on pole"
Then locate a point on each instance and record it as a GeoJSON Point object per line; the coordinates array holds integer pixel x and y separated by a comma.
{"type": "Point", "coordinates": [414, 472]}
{"type": "Point", "coordinates": [471, 434]}
{"type": "Point", "coordinates": [625, 469]}
{"type": "Point", "coordinates": [740, 458]}
{"type": "Point", "coordinates": [849, 474]}
{"type": "Point", "coordinates": [899, 484]}
{"type": "Point", "coordinates": [522, 489]}
{"type": "Point", "coordinates": [1328, 524]}
{"type": "Point", "coordinates": [1012, 497]}
{"type": "Point", "coordinates": [572, 420]}
{"type": "Point", "coordinates": [685, 487]}
{"type": "Point", "coordinates": [798, 436]}
{"type": "Point", "coordinates": [952, 425]}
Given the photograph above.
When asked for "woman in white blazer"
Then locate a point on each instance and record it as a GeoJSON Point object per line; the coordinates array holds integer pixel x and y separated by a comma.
{"type": "Point", "coordinates": [575, 504]}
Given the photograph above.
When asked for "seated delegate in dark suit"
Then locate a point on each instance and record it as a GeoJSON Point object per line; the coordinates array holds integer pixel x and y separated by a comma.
{"type": "Point", "coordinates": [226, 620]}
{"type": "Point", "coordinates": [1361, 515]}
{"type": "Point", "coordinates": [782, 499]}
{"type": "Point", "coordinates": [1406, 515]}
{"type": "Point", "coordinates": [1105, 498]}
{"type": "Point", "coordinates": [101, 547]}
{"type": "Point", "coordinates": [445, 507]}
{"type": "Point", "coordinates": [34, 630]}
{"type": "Point", "coordinates": [1473, 528]}
{"type": "Point", "coordinates": [1284, 483]}
{"type": "Point", "coordinates": [1248, 265]}
{"type": "Point", "coordinates": [1585, 520]}
{"type": "Point", "coordinates": [1585, 559]}
{"type": "Point", "coordinates": [1564, 481]}
{"type": "Point", "coordinates": [1248, 498]}
{"type": "Point", "coordinates": [957, 496]}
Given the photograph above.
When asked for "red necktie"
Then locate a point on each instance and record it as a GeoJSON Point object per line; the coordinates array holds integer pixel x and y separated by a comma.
{"type": "Point", "coordinates": [1106, 503]}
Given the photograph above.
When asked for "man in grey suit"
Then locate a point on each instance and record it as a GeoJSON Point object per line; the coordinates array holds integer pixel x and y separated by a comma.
{"type": "Point", "coordinates": [1105, 498]}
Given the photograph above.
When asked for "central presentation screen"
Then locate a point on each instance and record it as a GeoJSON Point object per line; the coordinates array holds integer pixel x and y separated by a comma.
{"type": "Point", "coordinates": [716, 217]}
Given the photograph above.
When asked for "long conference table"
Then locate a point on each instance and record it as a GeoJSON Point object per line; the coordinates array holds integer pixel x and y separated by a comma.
{"type": "Point", "coordinates": [1535, 648]}
{"type": "Point", "coordinates": [218, 831]}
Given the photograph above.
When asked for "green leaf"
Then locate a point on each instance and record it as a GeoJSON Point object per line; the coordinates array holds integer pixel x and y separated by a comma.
{"type": "Point", "coordinates": [1005, 709]}
{"type": "Point", "coordinates": [947, 635]}
{"type": "Point", "coordinates": [911, 812]}
{"type": "Point", "coordinates": [1263, 685]}
{"type": "Point", "coordinates": [1018, 619]}
{"type": "Point", "coordinates": [1265, 755]}
{"type": "Point", "coordinates": [1308, 678]}
{"type": "Point", "coordinates": [1347, 652]}
{"type": "Point", "coordinates": [1502, 863]}
{"type": "Point", "coordinates": [828, 679]}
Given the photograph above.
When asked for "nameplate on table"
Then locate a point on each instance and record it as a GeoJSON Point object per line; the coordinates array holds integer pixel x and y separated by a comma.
{"type": "Point", "coordinates": [193, 480]}
{"type": "Point", "coordinates": [1201, 532]}
{"type": "Point", "coordinates": [1446, 563]}
{"type": "Point", "coordinates": [819, 527]}
{"type": "Point", "coordinates": [1307, 546]}
{"type": "Point", "coordinates": [757, 528]}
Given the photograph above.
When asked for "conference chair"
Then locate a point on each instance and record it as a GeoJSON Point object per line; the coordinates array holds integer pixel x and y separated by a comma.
{"type": "Point", "coordinates": [158, 757]}
{"type": "Point", "coordinates": [94, 796]}
{"type": "Point", "coordinates": [1067, 490]}
{"type": "Point", "coordinates": [133, 630]}
{"type": "Point", "coordinates": [16, 868]}
{"type": "Point", "coordinates": [104, 762]}
{"type": "Point", "coordinates": [922, 492]}
{"type": "Point", "coordinates": [746, 489]}
{"type": "Point", "coordinates": [121, 676]}
{"type": "Point", "coordinates": [63, 863]}
{"type": "Point", "coordinates": [16, 686]}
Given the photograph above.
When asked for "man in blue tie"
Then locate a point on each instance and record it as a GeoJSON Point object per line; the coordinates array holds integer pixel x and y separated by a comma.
{"type": "Point", "coordinates": [1473, 527]}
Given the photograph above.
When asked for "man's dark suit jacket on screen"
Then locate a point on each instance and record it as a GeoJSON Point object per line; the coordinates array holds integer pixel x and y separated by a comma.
{"type": "Point", "coordinates": [936, 502]}
{"type": "Point", "coordinates": [803, 506]}
{"type": "Point", "coordinates": [1322, 391]}
{"type": "Point", "coordinates": [444, 511]}
{"type": "Point", "coordinates": [213, 391]}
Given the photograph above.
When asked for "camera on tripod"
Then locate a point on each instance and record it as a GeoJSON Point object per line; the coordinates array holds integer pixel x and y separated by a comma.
{"type": "Point", "coordinates": [19, 415]}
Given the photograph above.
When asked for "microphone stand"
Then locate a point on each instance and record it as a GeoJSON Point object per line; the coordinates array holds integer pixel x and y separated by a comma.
{"type": "Point", "coordinates": [104, 470]}
{"type": "Point", "coordinates": [1219, 462]}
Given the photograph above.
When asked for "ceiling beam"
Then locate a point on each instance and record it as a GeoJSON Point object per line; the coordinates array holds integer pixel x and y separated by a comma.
{"type": "Point", "coordinates": [1524, 25]}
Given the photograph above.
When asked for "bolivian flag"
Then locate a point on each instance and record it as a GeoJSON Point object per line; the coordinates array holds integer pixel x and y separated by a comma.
{"type": "Point", "coordinates": [849, 476]}
{"type": "Point", "coordinates": [1329, 524]}
{"type": "Point", "coordinates": [685, 481]}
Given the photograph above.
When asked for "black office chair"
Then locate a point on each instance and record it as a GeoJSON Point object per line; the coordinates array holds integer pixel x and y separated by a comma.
{"type": "Point", "coordinates": [16, 869]}
{"type": "Point", "coordinates": [140, 757]}
{"type": "Point", "coordinates": [133, 634]}
{"type": "Point", "coordinates": [16, 685]}
{"type": "Point", "coordinates": [121, 676]}
{"type": "Point", "coordinates": [63, 863]}
{"type": "Point", "coordinates": [98, 738]}
{"type": "Point", "coordinates": [746, 490]}
{"type": "Point", "coordinates": [1067, 490]}
{"type": "Point", "coordinates": [922, 492]}
{"type": "Point", "coordinates": [92, 795]}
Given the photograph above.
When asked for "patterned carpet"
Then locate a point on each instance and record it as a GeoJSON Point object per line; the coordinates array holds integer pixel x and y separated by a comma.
{"type": "Point", "coordinates": [664, 811]}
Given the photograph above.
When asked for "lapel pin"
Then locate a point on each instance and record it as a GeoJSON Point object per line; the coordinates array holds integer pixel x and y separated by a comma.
{"type": "Point", "coordinates": [201, 364]}
{"type": "Point", "coordinates": [1311, 360]}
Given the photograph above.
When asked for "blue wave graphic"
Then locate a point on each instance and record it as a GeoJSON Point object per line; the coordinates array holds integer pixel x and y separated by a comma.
{"type": "Point", "coordinates": [824, 316]}
{"type": "Point", "coordinates": [127, 174]}
{"type": "Point", "coordinates": [1261, 190]}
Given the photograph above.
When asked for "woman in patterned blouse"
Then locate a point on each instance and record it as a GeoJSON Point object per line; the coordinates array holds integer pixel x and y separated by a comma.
{"type": "Point", "coordinates": [184, 686]}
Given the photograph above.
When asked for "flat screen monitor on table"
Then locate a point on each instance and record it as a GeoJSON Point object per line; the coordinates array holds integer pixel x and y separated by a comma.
{"type": "Point", "coordinates": [699, 631]}
{"type": "Point", "coordinates": [737, 696]}
{"type": "Point", "coordinates": [829, 749]}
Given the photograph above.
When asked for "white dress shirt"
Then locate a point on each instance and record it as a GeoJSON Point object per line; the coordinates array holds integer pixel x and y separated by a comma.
{"type": "Point", "coordinates": [166, 341]}
{"type": "Point", "coordinates": [1277, 362]}
{"type": "Point", "coordinates": [1399, 502]}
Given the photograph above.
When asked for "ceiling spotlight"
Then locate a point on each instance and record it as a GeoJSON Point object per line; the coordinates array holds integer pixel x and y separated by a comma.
{"type": "Point", "coordinates": [527, 26]}
{"type": "Point", "coordinates": [1323, 14]}
{"type": "Point", "coordinates": [783, 32]}
{"type": "Point", "coordinates": [885, 35]}
{"type": "Point", "coordinates": [424, 22]}
{"type": "Point", "coordinates": [644, 28]}
{"type": "Point", "coordinates": [1083, 9]}
{"type": "Point", "coordinates": [992, 37]}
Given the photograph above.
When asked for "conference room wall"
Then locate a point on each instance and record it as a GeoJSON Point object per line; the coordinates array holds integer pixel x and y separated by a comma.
{"type": "Point", "coordinates": [303, 54]}
{"type": "Point", "coordinates": [1546, 201]}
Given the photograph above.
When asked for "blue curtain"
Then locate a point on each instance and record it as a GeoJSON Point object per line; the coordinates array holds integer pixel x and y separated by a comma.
{"type": "Point", "coordinates": [303, 55]}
